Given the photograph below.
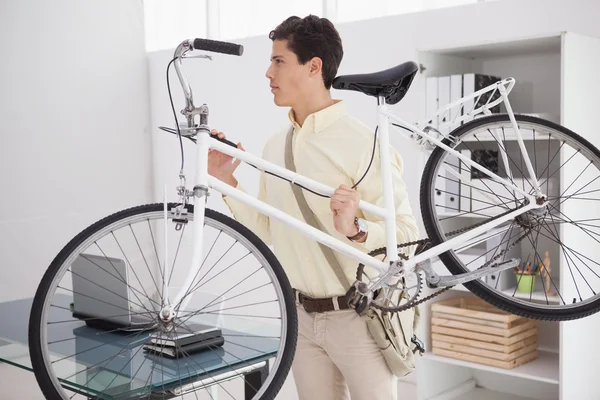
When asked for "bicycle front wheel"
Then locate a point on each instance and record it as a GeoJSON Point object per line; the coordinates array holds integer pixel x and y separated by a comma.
{"type": "Point", "coordinates": [97, 309]}
{"type": "Point", "coordinates": [558, 245]}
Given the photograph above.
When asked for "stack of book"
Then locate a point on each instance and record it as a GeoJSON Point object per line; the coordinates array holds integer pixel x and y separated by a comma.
{"type": "Point", "coordinates": [185, 340]}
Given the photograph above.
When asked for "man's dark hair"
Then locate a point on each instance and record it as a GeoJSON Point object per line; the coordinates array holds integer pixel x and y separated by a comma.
{"type": "Point", "coordinates": [312, 37]}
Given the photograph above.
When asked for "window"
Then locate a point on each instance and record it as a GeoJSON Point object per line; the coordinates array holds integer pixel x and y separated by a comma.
{"type": "Point", "coordinates": [243, 18]}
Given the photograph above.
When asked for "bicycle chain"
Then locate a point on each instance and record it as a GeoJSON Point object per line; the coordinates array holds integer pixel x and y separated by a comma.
{"type": "Point", "coordinates": [424, 242]}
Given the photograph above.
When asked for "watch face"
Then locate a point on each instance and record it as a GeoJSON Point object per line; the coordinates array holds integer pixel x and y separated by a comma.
{"type": "Point", "coordinates": [362, 225]}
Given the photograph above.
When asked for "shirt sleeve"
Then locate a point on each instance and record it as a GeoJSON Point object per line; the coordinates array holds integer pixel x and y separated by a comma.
{"type": "Point", "coordinates": [250, 217]}
{"type": "Point", "coordinates": [371, 191]}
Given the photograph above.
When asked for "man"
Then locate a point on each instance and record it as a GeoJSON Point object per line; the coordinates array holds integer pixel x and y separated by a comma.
{"type": "Point", "coordinates": [336, 356]}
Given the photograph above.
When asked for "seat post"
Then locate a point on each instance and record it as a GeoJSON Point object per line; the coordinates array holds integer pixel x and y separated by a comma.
{"type": "Point", "coordinates": [386, 175]}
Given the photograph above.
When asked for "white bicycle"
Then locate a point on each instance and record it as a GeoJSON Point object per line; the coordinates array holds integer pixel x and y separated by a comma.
{"type": "Point", "coordinates": [155, 267]}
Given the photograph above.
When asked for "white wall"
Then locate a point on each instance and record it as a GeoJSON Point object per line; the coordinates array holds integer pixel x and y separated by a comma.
{"type": "Point", "coordinates": [75, 139]}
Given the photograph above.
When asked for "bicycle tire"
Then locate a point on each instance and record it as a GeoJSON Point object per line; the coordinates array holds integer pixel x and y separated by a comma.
{"type": "Point", "coordinates": [448, 258]}
{"type": "Point", "coordinates": [43, 377]}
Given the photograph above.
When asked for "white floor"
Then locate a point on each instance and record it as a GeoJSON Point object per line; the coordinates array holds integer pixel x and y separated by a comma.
{"type": "Point", "coordinates": [18, 384]}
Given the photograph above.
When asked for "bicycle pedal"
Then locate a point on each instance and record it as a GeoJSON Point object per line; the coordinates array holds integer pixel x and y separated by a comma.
{"type": "Point", "coordinates": [420, 346]}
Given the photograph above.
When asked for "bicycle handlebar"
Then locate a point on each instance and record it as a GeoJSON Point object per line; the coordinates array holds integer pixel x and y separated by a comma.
{"type": "Point", "coordinates": [200, 44]}
{"type": "Point", "coordinates": [218, 46]}
{"type": "Point", "coordinates": [206, 45]}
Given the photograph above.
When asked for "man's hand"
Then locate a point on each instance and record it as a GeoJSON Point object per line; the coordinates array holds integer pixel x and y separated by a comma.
{"type": "Point", "coordinates": [344, 205]}
{"type": "Point", "coordinates": [220, 165]}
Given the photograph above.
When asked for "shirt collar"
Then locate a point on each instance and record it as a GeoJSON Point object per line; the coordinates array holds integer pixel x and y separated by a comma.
{"type": "Point", "coordinates": [320, 120]}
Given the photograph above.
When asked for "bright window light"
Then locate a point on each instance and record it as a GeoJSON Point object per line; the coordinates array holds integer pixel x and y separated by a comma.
{"type": "Point", "coordinates": [243, 18]}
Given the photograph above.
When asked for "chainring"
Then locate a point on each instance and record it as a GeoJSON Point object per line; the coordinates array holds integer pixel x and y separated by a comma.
{"type": "Point", "coordinates": [378, 301]}
{"type": "Point", "coordinates": [422, 245]}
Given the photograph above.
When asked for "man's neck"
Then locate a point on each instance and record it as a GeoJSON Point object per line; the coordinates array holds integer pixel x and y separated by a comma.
{"type": "Point", "coordinates": [303, 110]}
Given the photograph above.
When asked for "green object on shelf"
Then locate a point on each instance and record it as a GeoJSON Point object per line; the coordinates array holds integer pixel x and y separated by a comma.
{"type": "Point", "coordinates": [525, 283]}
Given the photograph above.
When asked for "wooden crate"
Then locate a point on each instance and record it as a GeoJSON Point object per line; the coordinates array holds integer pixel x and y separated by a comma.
{"type": "Point", "coordinates": [470, 329]}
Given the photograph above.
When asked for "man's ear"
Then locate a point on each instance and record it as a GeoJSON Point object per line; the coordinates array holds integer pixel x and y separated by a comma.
{"type": "Point", "coordinates": [316, 65]}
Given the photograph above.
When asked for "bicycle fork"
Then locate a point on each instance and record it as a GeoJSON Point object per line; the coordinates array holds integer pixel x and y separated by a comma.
{"type": "Point", "coordinates": [172, 308]}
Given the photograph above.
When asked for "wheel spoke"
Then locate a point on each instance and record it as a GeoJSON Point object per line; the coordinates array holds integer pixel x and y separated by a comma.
{"type": "Point", "coordinates": [227, 291]}
{"type": "Point", "coordinates": [571, 271]}
{"type": "Point", "coordinates": [146, 262]}
{"type": "Point", "coordinates": [512, 225]}
{"type": "Point", "coordinates": [243, 293]}
{"type": "Point", "coordinates": [121, 279]}
{"type": "Point", "coordinates": [577, 190]}
{"type": "Point", "coordinates": [202, 265]}
{"type": "Point", "coordinates": [562, 165]}
{"type": "Point", "coordinates": [589, 233]}
{"type": "Point", "coordinates": [555, 236]}
{"type": "Point", "coordinates": [540, 257]}
{"type": "Point", "coordinates": [488, 152]}
{"type": "Point", "coordinates": [199, 285]}
{"type": "Point", "coordinates": [130, 266]}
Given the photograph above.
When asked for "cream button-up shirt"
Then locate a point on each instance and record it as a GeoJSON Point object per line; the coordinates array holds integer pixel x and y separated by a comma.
{"type": "Point", "coordinates": [333, 148]}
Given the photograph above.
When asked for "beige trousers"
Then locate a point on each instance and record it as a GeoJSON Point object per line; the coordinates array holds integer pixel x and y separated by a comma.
{"type": "Point", "coordinates": [338, 359]}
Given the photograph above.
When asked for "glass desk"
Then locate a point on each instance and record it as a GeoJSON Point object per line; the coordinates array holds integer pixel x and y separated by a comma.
{"type": "Point", "coordinates": [113, 366]}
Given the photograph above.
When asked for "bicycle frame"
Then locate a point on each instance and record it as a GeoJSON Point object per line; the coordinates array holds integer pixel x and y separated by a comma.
{"type": "Point", "coordinates": [386, 213]}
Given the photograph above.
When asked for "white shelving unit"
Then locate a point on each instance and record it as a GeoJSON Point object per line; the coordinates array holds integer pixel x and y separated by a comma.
{"type": "Point", "coordinates": [543, 369]}
{"type": "Point", "coordinates": [548, 81]}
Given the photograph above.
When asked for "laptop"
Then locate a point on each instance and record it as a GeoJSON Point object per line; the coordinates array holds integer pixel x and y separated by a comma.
{"type": "Point", "coordinates": [102, 296]}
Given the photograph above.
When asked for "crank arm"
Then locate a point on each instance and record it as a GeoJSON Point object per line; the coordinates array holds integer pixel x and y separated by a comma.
{"type": "Point", "coordinates": [434, 280]}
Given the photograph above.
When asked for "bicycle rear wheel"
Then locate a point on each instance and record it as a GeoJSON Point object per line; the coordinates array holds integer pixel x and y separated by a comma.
{"type": "Point", "coordinates": [99, 300]}
{"type": "Point", "coordinates": [560, 242]}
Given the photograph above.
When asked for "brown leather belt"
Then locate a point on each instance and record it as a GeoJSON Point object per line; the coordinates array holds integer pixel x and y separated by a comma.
{"type": "Point", "coordinates": [321, 305]}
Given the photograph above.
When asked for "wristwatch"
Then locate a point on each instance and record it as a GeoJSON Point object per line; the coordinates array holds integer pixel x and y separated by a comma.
{"type": "Point", "coordinates": [363, 228]}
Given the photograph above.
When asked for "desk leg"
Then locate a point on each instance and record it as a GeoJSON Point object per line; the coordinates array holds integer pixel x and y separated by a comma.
{"type": "Point", "coordinates": [254, 380]}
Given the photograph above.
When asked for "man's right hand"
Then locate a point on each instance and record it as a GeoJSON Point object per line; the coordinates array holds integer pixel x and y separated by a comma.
{"type": "Point", "coordinates": [221, 165]}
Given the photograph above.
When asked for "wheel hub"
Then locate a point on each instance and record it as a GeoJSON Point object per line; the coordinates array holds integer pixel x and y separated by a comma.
{"type": "Point", "coordinates": [167, 314]}
{"type": "Point", "coordinates": [535, 217]}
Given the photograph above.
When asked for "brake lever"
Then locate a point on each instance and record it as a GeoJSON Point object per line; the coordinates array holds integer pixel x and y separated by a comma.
{"type": "Point", "coordinates": [198, 56]}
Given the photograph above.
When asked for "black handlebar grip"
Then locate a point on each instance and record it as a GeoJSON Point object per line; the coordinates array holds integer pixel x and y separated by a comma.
{"type": "Point", "coordinates": [219, 47]}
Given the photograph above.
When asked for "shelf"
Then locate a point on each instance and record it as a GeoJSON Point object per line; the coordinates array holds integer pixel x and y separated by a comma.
{"type": "Point", "coordinates": [537, 295]}
{"type": "Point", "coordinates": [544, 369]}
{"type": "Point", "coordinates": [509, 135]}
{"type": "Point", "coordinates": [484, 394]}
{"type": "Point", "coordinates": [493, 50]}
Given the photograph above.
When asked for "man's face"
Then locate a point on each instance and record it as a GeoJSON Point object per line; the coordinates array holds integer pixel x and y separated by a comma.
{"type": "Point", "coordinates": [288, 78]}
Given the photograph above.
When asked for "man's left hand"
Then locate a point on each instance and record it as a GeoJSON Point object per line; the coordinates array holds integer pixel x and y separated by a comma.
{"type": "Point", "coordinates": [344, 205]}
